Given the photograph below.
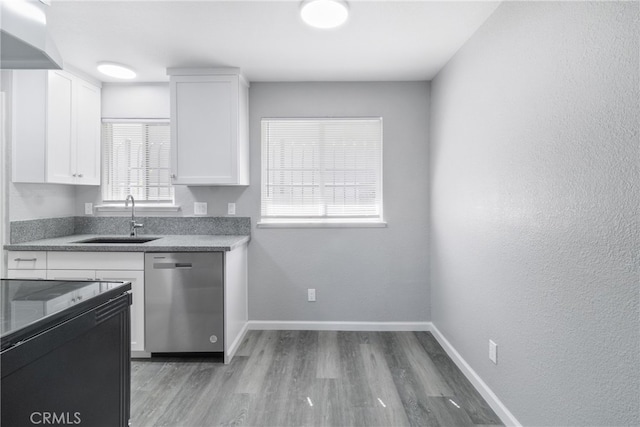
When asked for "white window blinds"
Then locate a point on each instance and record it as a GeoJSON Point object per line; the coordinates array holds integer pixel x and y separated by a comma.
{"type": "Point", "coordinates": [327, 170]}
{"type": "Point", "coordinates": [136, 161]}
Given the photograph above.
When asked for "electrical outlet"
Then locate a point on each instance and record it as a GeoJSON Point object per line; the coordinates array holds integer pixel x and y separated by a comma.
{"type": "Point", "coordinates": [311, 295]}
{"type": "Point", "coordinates": [493, 352]}
{"type": "Point", "coordinates": [88, 208]}
{"type": "Point", "coordinates": [231, 209]}
{"type": "Point", "coordinates": [199, 208]}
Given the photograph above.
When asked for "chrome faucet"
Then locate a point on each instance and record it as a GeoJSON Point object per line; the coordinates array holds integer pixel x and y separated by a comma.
{"type": "Point", "coordinates": [133, 225]}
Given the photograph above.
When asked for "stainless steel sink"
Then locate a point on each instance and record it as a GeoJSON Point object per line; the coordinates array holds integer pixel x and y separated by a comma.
{"type": "Point", "coordinates": [116, 239]}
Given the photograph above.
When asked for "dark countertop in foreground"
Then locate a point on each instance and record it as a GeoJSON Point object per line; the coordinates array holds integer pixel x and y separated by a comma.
{"type": "Point", "coordinates": [169, 243]}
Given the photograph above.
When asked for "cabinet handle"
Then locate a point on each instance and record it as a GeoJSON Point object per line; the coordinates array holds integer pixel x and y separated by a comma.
{"type": "Point", "coordinates": [25, 259]}
{"type": "Point", "coordinates": [173, 175]}
{"type": "Point", "coordinates": [80, 175]}
{"type": "Point", "coordinates": [74, 175]}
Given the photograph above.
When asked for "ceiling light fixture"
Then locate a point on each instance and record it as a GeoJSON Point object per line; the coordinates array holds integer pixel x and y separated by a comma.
{"type": "Point", "coordinates": [324, 13]}
{"type": "Point", "coordinates": [118, 71]}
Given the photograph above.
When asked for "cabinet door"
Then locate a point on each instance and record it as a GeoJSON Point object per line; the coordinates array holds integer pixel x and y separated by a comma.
{"type": "Point", "coordinates": [88, 133]}
{"type": "Point", "coordinates": [62, 260]}
{"type": "Point", "coordinates": [61, 131]}
{"type": "Point", "coordinates": [87, 292]}
{"type": "Point", "coordinates": [204, 129]}
{"type": "Point", "coordinates": [27, 260]}
{"type": "Point", "coordinates": [29, 111]}
{"type": "Point", "coordinates": [26, 265]}
{"type": "Point", "coordinates": [71, 274]}
{"type": "Point", "coordinates": [57, 128]}
{"type": "Point", "coordinates": [60, 303]}
{"type": "Point", "coordinates": [27, 274]}
{"type": "Point", "coordinates": [137, 307]}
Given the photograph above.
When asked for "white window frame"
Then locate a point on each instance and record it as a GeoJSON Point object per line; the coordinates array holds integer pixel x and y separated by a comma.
{"type": "Point", "coordinates": [275, 215]}
{"type": "Point", "coordinates": [112, 204]}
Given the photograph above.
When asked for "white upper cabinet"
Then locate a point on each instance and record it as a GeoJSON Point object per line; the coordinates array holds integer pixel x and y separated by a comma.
{"type": "Point", "coordinates": [56, 118]}
{"type": "Point", "coordinates": [60, 131]}
{"type": "Point", "coordinates": [209, 127]}
{"type": "Point", "coordinates": [87, 165]}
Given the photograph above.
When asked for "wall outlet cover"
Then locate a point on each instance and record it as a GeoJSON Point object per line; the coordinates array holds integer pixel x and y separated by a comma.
{"type": "Point", "coordinates": [493, 352]}
{"type": "Point", "coordinates": [199, 208]}
{"type": "Point", "coordinates": [231, 209]}
{"type": "Point", "coordinates": [311, 295]}
{"type": "Point", "coordinates": [88, 208]}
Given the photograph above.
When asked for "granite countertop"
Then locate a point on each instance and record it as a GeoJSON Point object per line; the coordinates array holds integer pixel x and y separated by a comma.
{"type": "Point", "coordinates": [167, 243]}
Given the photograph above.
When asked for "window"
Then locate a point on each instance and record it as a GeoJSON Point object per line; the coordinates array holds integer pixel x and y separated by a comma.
{"type": "Point", "coordinates": [322, 171]}
{"type": "Point", "coordinates": [136, 160]}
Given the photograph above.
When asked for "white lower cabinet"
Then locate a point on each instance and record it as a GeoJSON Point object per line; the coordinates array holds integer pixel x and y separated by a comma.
{"type": "Point", "coordinates": [137, 308]}
{"type": "Point", "coordinates": [27, 260]}
{"type": "Point", "coordinates": [137, 289]}
{"type": "Point", "coordinates": [28, 265]}
{"type": "Point", "coordinates": [25, 310]}
{"type": "Point", "coordinates": [27, 274]}
{"type": "Point", "coordinates": [236, 309]}
{"type": "Point", "coordinates": [71, 275]}
{"type": "Point", "coordinates": [103, 266]}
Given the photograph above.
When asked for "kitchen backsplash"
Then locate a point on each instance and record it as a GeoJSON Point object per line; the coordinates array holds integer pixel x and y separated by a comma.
{"type": "Point", "coordinates": [25, 231]}
{"type": "Point", "coordinates": [36, 229]}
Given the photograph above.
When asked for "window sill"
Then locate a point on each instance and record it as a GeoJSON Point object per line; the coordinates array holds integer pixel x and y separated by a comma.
{"type": "Point", "coordinates": [150, 208]}
{"type": "Point", "coordinates": [263, 224]}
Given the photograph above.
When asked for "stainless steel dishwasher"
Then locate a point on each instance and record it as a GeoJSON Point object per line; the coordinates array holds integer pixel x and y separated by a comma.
{"type": "Point", "coordinates": [184, 302]}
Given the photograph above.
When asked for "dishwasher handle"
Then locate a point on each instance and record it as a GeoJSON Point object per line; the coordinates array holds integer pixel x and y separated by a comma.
{"type": "Point", "coordinates": [172, 265]}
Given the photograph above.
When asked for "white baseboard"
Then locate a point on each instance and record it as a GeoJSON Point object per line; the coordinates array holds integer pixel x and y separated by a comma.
{"type": "Point", "coordinates": [231, 351]}
{"type": "Point", "coordinates": [498, 407]}
{"type": "Point", "coordinates": [283, 325]}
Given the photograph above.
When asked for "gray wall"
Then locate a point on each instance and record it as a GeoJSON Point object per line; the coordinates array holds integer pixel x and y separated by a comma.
{"type": "Point", "coordinates": [534, 189]}
{"type": "Point", "coordinates": [135, 101]}
{"type": "Point", "coordinates": [35, 201]}
{"type": "Point", "coordinates": [367, 274]}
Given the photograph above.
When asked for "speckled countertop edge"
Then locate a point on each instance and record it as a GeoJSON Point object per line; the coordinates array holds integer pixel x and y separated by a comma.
{"type": "Point", "coordinates": [168, 243]}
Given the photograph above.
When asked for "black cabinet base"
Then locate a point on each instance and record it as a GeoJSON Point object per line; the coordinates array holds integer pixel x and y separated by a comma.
{"type": "Point", "coordinates": [77, 373]}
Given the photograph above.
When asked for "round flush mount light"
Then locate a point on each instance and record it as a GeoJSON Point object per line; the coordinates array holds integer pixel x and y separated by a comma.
{"type": "Point", "coordinates": [324, 13]}
{"type": "Point", "coordinates": [118, 71]}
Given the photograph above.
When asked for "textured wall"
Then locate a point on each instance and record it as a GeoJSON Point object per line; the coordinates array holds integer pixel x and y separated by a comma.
{"type": "Point", "coordinates": [360, 274]}
{"type": "Point", "coordinates": [534, 189]}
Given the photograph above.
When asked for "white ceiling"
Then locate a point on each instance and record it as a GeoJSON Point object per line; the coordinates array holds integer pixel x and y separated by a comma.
{"type": "Point", "coordinates": [381, 41]}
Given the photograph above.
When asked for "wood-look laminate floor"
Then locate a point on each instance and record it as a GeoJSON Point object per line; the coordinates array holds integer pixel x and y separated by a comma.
{"type": "Point", "coordinates": [311, 378]}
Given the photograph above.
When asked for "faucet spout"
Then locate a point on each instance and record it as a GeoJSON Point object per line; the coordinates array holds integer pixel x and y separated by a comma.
{"type": "Point", "coordinates": [133, 225]}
